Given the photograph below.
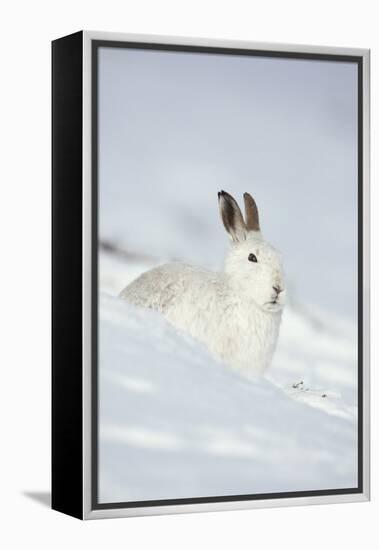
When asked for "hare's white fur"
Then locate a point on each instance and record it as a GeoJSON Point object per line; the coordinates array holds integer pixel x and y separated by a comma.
{"type": "Point", "coordinates": [236, 313]}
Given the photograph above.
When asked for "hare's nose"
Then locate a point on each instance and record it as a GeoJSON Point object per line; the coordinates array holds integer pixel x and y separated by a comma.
{"type": "Point", "coordinates": [277, 289]}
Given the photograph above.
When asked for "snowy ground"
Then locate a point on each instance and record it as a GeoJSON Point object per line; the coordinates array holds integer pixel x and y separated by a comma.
{"type": "Point", "coordinates": [176, 422]}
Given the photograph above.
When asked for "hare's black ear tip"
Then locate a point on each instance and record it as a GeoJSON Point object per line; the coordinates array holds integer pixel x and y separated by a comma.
{"type": "Point", "coordinates": [221, 193]}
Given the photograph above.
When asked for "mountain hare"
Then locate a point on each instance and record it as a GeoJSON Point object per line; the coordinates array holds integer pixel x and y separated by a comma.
{"type": "Point", "coordinates": [236, 313]}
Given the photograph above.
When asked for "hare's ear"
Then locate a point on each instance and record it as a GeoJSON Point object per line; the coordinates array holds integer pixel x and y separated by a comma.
{"type": "Point", "coordinates": [232, 217]}
{"type": "Point", "coordinates": [251, 213]}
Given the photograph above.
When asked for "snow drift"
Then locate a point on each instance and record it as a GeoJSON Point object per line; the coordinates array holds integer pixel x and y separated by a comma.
{"type": "Point", "coordinates": [175, 422]}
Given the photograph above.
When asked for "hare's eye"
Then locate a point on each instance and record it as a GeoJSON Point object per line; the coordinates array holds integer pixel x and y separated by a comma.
{"type": "Point", "coordinates": [252, 258]}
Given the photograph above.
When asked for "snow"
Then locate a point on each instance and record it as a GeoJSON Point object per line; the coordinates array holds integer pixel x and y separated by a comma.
{"type": "Point", "coordinates": [175, 422]}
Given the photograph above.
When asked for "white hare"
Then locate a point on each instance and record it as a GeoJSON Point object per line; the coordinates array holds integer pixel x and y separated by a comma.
{"type": "Point", "coordinates": [237, 312]}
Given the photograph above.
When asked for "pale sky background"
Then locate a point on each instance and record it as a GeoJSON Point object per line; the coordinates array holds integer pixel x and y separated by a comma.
{"type": "Point", "coordinates": [175, 128]}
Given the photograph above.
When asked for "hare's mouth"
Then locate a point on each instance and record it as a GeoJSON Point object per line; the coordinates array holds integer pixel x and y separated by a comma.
{"type": "Point", "coordinates": [273, 305]}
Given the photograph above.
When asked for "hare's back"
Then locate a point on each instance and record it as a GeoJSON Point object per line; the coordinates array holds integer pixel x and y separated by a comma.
{"type": "Point", "coordinates": [161, 286]}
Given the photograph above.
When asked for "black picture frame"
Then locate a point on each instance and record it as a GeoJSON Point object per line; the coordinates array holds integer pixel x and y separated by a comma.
{"type": "Point", "coordinates": [72, 440]}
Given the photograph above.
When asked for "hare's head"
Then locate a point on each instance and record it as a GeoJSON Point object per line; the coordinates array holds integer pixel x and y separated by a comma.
{"type": "Point", "coordinates": [252, 263]}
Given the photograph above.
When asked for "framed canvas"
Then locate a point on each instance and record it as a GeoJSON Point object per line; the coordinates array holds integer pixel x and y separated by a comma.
{"type": "Point", "coordinates": [210, 275]}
